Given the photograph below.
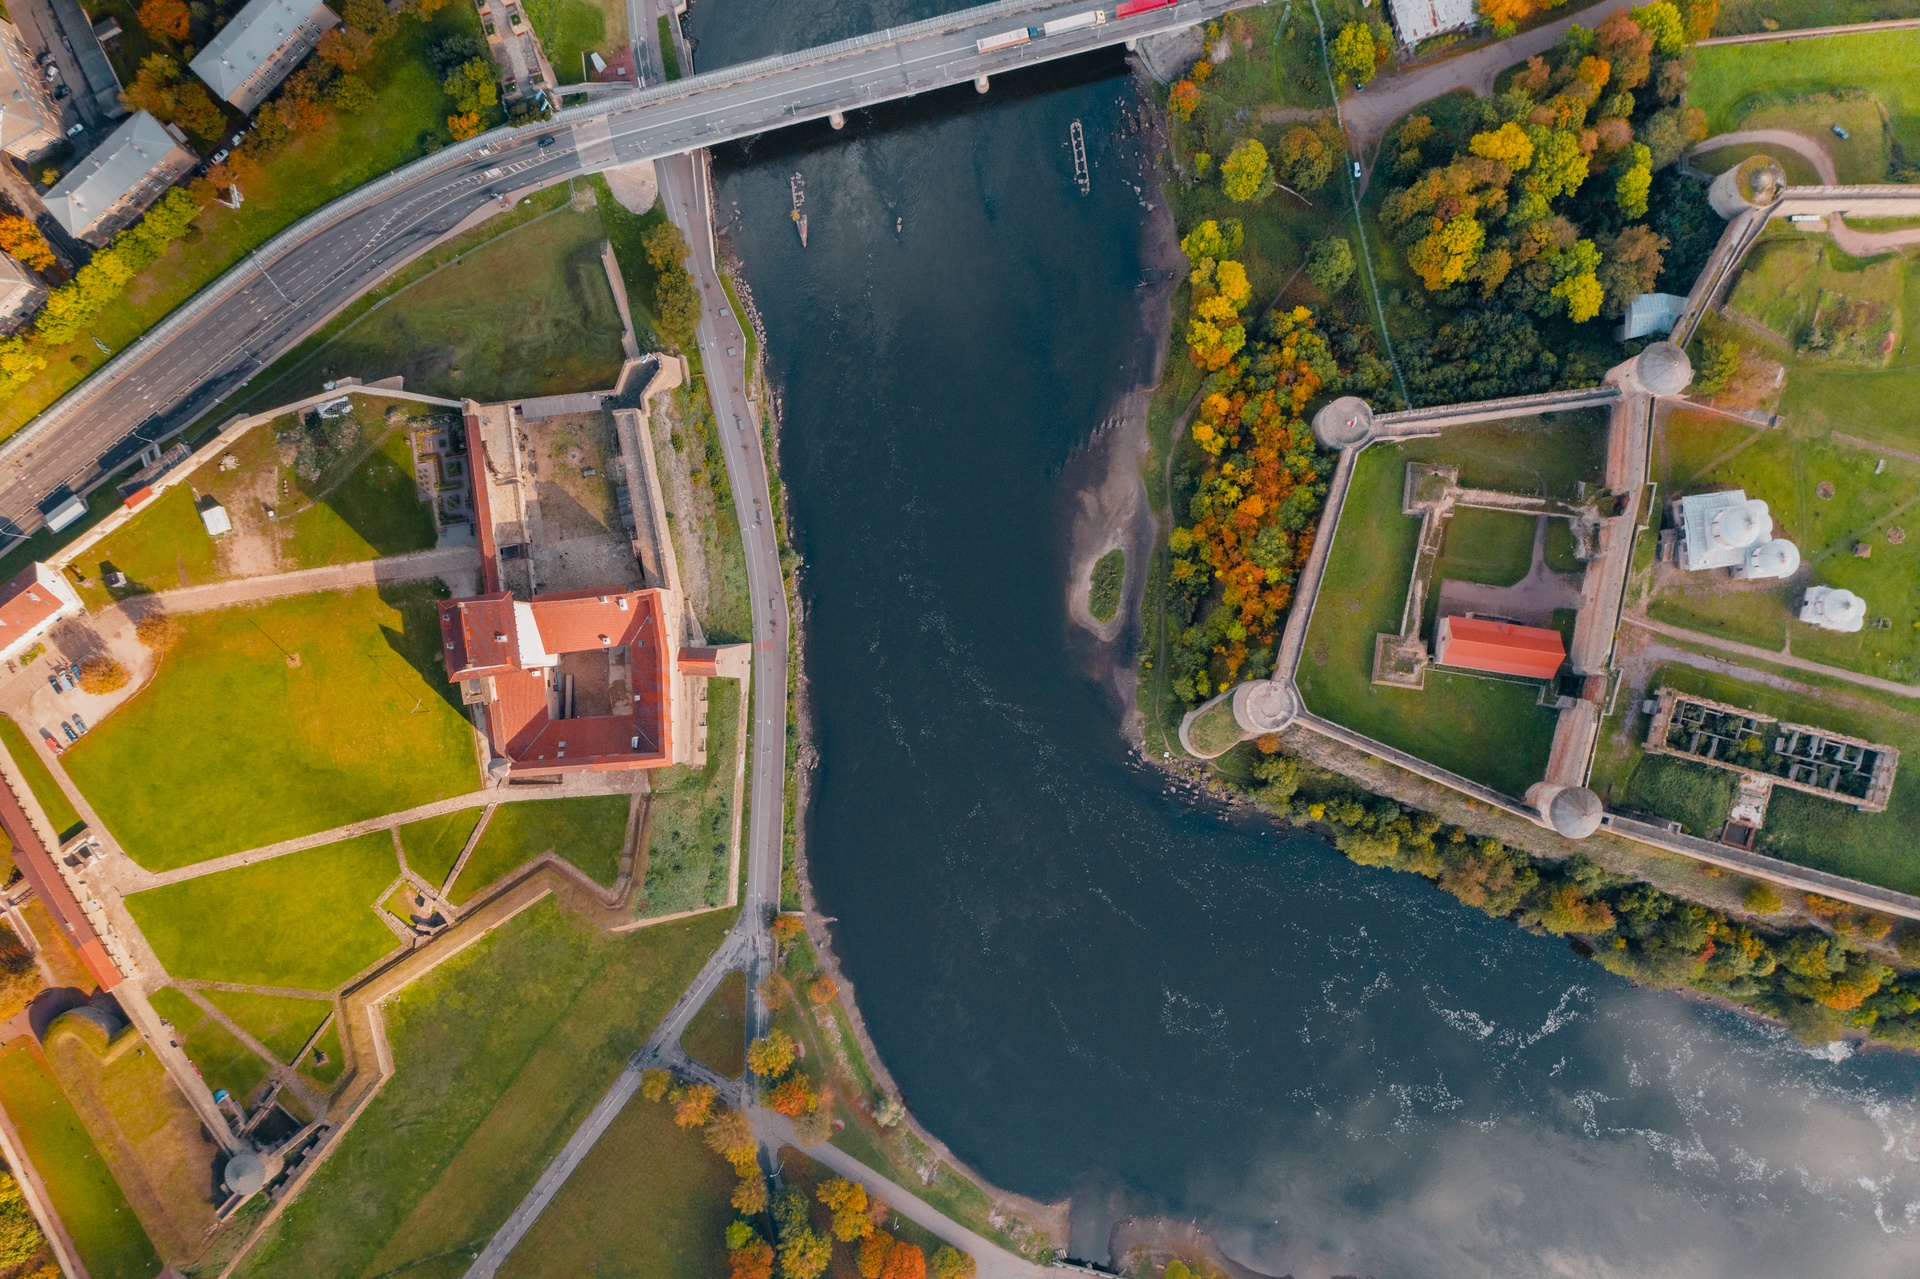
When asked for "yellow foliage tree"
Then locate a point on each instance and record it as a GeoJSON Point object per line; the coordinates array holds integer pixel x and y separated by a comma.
{"type": "Point", "coordinates": [1508, 144]}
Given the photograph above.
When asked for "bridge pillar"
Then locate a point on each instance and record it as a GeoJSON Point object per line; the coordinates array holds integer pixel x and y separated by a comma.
{"type": "Point", "coordinates": [980, 84]}
{"type": "Point", "coordinates": [837, 120]}
{"type": "Point", "coordinates": [1132, 45]}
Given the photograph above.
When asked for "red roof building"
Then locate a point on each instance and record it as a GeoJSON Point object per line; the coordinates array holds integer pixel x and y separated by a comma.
{"type": "Point", "coordinates": [30, 604]}
{"type": "Point", "coordinates": [1500, 648]}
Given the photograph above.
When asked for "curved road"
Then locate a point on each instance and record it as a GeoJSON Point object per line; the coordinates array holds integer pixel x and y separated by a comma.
{"type": "Point", "coordinates": [1801, 145]}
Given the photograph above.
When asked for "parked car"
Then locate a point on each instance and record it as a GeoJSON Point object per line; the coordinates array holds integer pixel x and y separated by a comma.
{"type": "Point", "coordinates": [76, 130]}
{"type": "Point", "coordinates": [218, 156]}
{"type": "Point", "coordinates": [72, 676]}
{"type": "Point", "coordinates": [79, 723]}
{"type": "Point", "coordinates": [53, 681]}
{"type": "Point", "coordinates": [1840, 132]}
{"type": "Point", "coordinates": [68, 730]}
{"type": "Point", "coordinates": [234, 141]}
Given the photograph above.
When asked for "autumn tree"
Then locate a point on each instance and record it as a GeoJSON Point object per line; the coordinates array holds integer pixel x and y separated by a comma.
{"type": "Point", "coordinates": [1244, 174]}
{"type": "Point", "coordinates": [792, 1097]}
{"type": "Point", "coordinates": [159, 88]}
{"type": "Point", "coordinates": [804, 1254]}
{"type": "Point", "coordinates": [370, 16]}
{"type": "Point", "coordinates": [1629, 265]}
{"type": "Point", "coordinates": [751, 1261]}
{"type": "Point", "coordinates": [1699, 15]}
{"type": "Point", "coordinates": [21, 238]}
{"type": "Point", "coordinates": [166, 19]}
{"type": "Point", "coordinates": [817, 1125]}
{"type": "Point", "coordinates": [821, 990]}
{"type": "Point", "coordinates": [1566, 909]}
{"type": "Point", "coordinates": [750, 1195]}
{"type": "Point", "coordinates": [730, 1135]}
{"type": "Point", "coordinates": [1664, 25]}
{"type": "Point", "coordinates": [1182, 99]}
{"type": "Point", "coordinates": [102, 675]}
{"type": "Point", "coordinates": [693, 1106]}
{"type": "Point", "coordinates": [905, 1261]}
{"type": "Point", "coordinates": [1307, 155]}
{"type": "Point", "coordinates": [871, 1258]}
{"type": "Point", "coordinates": [1353, 53]}
{"type": "Point", "coordinates": [771, 1056]}
{"type": "Point", "coordinates": [465, 126]}
{"type": "Point", "coordinates": [1627, 48]}
{"type": "Point", "coordinates": [848, 1202]}
{"type": "Point", "coordinates": [663, 249]}
{"type": "Point", "coordinates": [346, 47]}
{"type": "Point", "coordinates": [654, 1082]}
{"type": "Point", "coordinates": [20, 1237]}
{"type": "Point", "coordinates": [950, 1263]}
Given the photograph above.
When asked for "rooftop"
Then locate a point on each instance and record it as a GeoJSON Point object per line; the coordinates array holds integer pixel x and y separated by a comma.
{"type": "Point", "coordinates": [112, 170]}
{"type": "Point", "coordinates": [1500, 648]}
{"type": "Point", "coordinates": [248, 43]}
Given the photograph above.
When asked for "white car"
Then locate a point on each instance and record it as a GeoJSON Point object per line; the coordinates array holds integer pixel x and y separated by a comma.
{"type": "Point", "coordinates": [218, 156]}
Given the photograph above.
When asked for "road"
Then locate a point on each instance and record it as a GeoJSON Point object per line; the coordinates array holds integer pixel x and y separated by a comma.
{"type": "Point", "coordinates": [292, 285]}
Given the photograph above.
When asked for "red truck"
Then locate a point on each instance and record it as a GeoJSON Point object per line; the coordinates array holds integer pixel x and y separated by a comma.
{"type": "Point", "coordinates": [1131, 7]}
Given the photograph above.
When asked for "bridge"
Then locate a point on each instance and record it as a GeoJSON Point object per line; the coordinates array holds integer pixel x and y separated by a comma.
{"type": "Point", "coordinates": [284, 290]}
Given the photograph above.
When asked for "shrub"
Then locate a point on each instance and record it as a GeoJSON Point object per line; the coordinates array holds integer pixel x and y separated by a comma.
{"type": "Point", "coordinates": [1103, 589]}
{"type": "Point", "coordinates": [159, 632]}
{"type": "Point", "coordinates": [1760, 899]}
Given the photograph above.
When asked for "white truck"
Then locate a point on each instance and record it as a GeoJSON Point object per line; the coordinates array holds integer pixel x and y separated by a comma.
{"type": "Point", "coordinates": [1077, 22]}
{"type": "Point", "coordinates": [1006, 39]}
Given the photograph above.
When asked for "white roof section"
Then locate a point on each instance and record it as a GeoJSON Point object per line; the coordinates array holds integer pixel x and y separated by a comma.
{"type": "Point", "coordinates": [1833, 609]}
{"type": "Point", "coordinates": [1717, 528]}
{"type": "Point", "coordinates": [1778, 558]}
{"type": "Point", "coordinates": [23, 111]}
{"type": "Point", "coordinates": [109, 172]}
{"type": "Point", "coordinates": [215, 518]}
{"type": "Point", "coordinates": [248, 43]}
{"type": "Point", "coordinates": [1418, 19]}
{"type": "Point", "coordinates": [1651, 313]}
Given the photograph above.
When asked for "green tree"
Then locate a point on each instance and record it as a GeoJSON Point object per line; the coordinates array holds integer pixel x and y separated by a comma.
{"type": "Point", "coordinates": [1353, 52]}
{"type": "Point", "coordinates": [948, 1262]}
{"type": "Point", "coordinates": [370, 16]}
{"type": "Point", "coordinates": [350, 94]}
{"type": "Point", "coordinates": [1760, 898]}
{"type": "Point", "coordinates": [1307, 155]}
{"type": "Point", "coordinates": [1245, 175]}
{"type": "Point", "coordinates": [1663, 22]}
{"type": "Point", "coordinates": [1330, 263]}
{"type": "Point", "coordinates": [471, 86]}
{"type": "Point", "coordinates": [20, 1237]}
{"type": "Point", "coordinates": [1722, 362]}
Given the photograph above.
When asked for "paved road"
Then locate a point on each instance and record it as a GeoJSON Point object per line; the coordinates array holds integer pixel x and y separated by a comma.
{"type": "Point", "coordinates": [1804, 147]}
{"type": "Point", "coordinates": [269, 302]}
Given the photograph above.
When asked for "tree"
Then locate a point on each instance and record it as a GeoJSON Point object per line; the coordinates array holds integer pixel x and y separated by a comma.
{"type": "Point", "coordinates": [950, 1263]}
{"type": "Point", "coordinates": [1629, 265]}
{"type": "Point", "coordinates": [1442, 257]}
{"type": "Point", "coordinates": [665, 246]}
{"type": "Point", "coordinates": [771, 1056]}
{"type": "Point", "coordinates": [1635, 181]}
{"type": "Point", "coordinates": [1669, 132]}
{"type": "Point", "coordinates": [654, 1082]}
{"type": "Point", "coordinates": [1627, 48]}
{"type": "Point", "coordinates": [1182, 99]}
{"type": "Point", "coordinates": [750, 1196]}
{"type": "Point", "coordinates": [20, 1237]}
{"type": "Point", "coordinates": [1330, 263]}
{"type": "Point", "coordinates": [1700, 15]}
{"type": "Point", "coordinates": [804, 1254]}
{"type": "Point", "coordinates": [754, 1261]}
{"type": "Point", "coordinates": [1353, 53]}
{"type": "Point", "coordinates": [370, 16]}
{"type": "Point", "coordinates": [730, 1135]}
{"type": "Point", "coordinates": [1307, 156]}
{"type": "Point", "coordinates": [871, 1259]}
{"type": "Point", "coordinates": [848, 1200]}
{"type": "Point", "coordinates": [692, 1107]}
{"type": "Point", "coordinates": [349, 48]}
{"type": "Point", "coordinates": [821, 989]}
{"type": "Point", "coordinates": [1662, 21]}
{"type": "Point", "coordinates": [19, 362]}
{"type": "Point", "coordinates": [1760, 898]}
{"type": "Point", "coordinates": [1245, 175]}
{"type": "Point", "coordinates": [1567, 909]}
{"type": "Point", "coordinates": [194, 111]}
{"type": "Point", "coordinates": [905, 1261]}
{"type": "Point", "coordinates": [166, 19]}
{"type": "Point", "coordinates": [817, 1124]}
{"type": "Point", "coordinates": [1509, 144]}
{"type": "Point", "coordinates": [350, 94]}
{"type": "Point", "coordinates": [21, 238]}
{"type": "Point", "coordinates": [451, 52]}
{"type": "Point", "coordinates": [792, 1097]}
{"type": "Point", "coordinates": [773, 991]}
{"type": "Point", "coordinates": [102, 675]}
{"type": "Point", "coordinates": [471, 86]}
{"type": "Point", "coordinates": [465, 126]}
{"type": "Point", "coordinates": [1722, 363]}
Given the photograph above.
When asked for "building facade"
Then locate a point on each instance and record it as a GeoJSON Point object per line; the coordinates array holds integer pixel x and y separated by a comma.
{"type": "Point", "coordinates": [260, 47]}
{"type": "Point", "coordinates": [29, 118]}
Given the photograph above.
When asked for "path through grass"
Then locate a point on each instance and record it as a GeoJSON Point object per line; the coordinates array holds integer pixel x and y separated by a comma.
{"type": "Point", "coordinates": [587, 831]}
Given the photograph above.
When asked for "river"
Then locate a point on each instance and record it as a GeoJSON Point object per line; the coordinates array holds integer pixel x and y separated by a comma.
{"type": "Point", "coordinates": [1088, 985]}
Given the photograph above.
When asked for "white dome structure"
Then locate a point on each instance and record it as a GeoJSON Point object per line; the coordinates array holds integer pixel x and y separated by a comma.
{"type": "Point", "coordinates": [1833, 608]}
{"type": "Point", "coordinates": [1777, 558]}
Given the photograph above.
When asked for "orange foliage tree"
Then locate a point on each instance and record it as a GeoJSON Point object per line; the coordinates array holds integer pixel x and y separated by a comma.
{"type": "Point", "coordinates": [755, 1261]}
{"type": "Point", "coordinates": [21, 238]}
{"type": "Point", "coordinates": [905, 1261]}
{"type": "Point", "coordinates": [465, 126]}
{"type": "Point", "coordinates": [166, 19]}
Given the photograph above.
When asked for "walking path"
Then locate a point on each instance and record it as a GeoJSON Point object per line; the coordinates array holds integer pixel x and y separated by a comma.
{"type": "Point", "coordinates": [1862, 244]}
{"type": "Point", "coordinates": [414, 567]}
{"type": "Point", "coordinates": [1778, 658]}
{"type": "Point", "coordinates": [1806, 148]}
{"type": "Point", "coordinates": [1813, 33]}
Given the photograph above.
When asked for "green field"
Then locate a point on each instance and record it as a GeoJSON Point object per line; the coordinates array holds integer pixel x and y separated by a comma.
{"type": "Point", "coordinates": [717, 1035]}
{"type": "Point", "coordinates": [433, 845]}
{"type": "Point", "coordinates": [373, 511]}
{"type": "Point", "coordinates": [1828, 307]}
{"type": "Point", "coordinates": [409, 109]}
{"type": "Point", "coordinates": [1728, 81]}
{"type": "Point", "coordinates": [1694, 795]}
{"type": "Point", "coordinates": [303, 921]}
{"type": "Point", "coordinates": [1859, 158]}
{"type": "Point", "coordinates": [1822, 833]}
{"type": "Point", "coordinates": [690, 835]}
{"type": "Point", "coordinates": [259, 750]}
{"type": "Point", "coordinates": [586, 831]}
{"type": "Point", "coordinates": [1214, 729]}
{"type": "Point", "coordinates": [164, 547]}
{"type": "Point", "coordinates": [650, 1199]}
{"type": "Point", "coordinates": [1488, 729]}
{"type": "Point", "coordinates": [500, 1053]}
{"type": "Point", "coordinates": [1491, 547]}
{"type": "Point", "coordinates": [1784, 467]}
{"type": "Point", "coordinates": [105, 1230]}
{"type": "Point", "coordinates": [525, 313]}
{"type": "Point", "coordinates": [53, 801]}
{"type": "Point", "coordinates": [325, 1073]}
{"type": "Point", "coordinates": [1745, 17]}
{"type": "Point", "coordinates": [281, 1023]}
{"type": "Point", "coordinates": [570, 29]}
{"type": "Point", "coordinates": [223, 1061]}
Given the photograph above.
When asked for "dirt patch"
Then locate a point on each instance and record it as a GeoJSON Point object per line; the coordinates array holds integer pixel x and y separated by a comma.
{"type": "Point", "coordinates": [582, 545]}
{"type": "Point", "coordinates": [676, 448]}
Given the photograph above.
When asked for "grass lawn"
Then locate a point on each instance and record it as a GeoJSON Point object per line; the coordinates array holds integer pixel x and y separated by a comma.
{"type": "Point", "coordinates": [525, 313]}
{"type": "Point", "coordinates": [587, 831]}
{"type": "Point", "coordinates": [304, 920]}
{"type": "Point", "coordinates": [149, 1135]}
{"type": "Point", "coordinates": [1487, 729]}
{"type": "Point", "coordinates": [164, 547]}
{"type": "Point", "coordinates": [432, 846]}
{"type": "Point", "coordinates": [1492, 547]}
{"type": "Point", "coordinates": [500, 1053]}
{"type": "Point", "coordinates": [1799, 171]}
{"type": "Point", "coordinates": [53, 801]}
{"type": "Point", "coordinates": [258, 750]}
{"type": "Point", "coordinates": [105, 1230]}
{"type": "Point", "coordinates": [690, 836]}
{"type": "Point", "coordinates": [280, 1022]}
{"type": "Point", "coordinates": [1790, 286]}
{"type": "Point", "coordinates": [1730, 80]}
{"type": "Point", "coordinates": [1859, 158]}
{"type": "Point", "coordinates": [374, 511]}
{"type": "Point", "coordinates": [717, 1035]}
{"type": "Point", "coordinates": [222, 1060]}
{"type": "Point", "coordinates": [650, 1199]}
{"type": "Point", "coordinates": [1215, 729]}
{"type": "Point", "coordinates": [1694, 795]}
{"type": "Point", "coordinates": [1873, 492]}
{"type": "Point", "coordinates": [570, 29]}
{"type": "Point", "coordinates": [1744, 17]}
{"type": "Point", "coordinates": [102, 502]}
{"type": "Point", "coordinates": [409, 108]}
{"type": "Point", "coordinates": [1822, 833]}
{"type": "Point", "coordinates": [325, 1073]}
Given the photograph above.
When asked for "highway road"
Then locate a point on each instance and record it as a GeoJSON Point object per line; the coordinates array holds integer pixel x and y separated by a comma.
{"type": "Point", "coordinates": [274, 298]}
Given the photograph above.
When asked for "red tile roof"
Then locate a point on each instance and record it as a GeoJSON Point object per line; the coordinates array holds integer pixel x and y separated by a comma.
{"type": "Point", "coordinates": [1501, 648]}
{"type": "Point", "coordinates": [477, 635]}
{"type": "Point", "coordinates": [37, 867]}
{"type": "Point", "coordinates": [582, 621]}
{"type": "Point", "coordinates": [25, 602]}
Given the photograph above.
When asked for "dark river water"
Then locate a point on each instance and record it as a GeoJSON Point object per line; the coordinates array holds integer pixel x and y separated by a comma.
{"type": "Point", "coordinates": [1089, 987]}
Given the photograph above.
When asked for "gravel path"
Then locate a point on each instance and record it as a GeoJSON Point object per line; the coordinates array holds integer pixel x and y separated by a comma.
{"type": "Point", "coordinates": [1801, 145]}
